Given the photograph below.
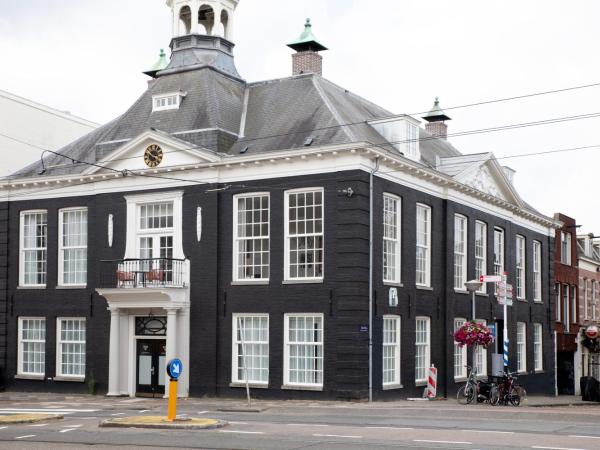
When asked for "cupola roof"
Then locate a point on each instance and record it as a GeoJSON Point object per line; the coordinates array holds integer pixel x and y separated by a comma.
{"type": "Point", "coordinates": [307, 40]}
{"type": "Point", "coordinates": [161, 64]}
{"type": "Point", "coordinates": [436, 114]}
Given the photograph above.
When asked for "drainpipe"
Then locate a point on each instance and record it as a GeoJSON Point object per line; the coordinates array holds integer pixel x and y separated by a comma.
{"type": "Point", "coordinates": [371, 177]}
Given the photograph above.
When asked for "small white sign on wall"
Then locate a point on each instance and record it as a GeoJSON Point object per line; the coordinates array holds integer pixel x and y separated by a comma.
{"type": "Point", "coordinates": [199, 224]}
{"type": "Point", "coordinates": [110, 230]}
{"type": "Point", "coordinates": [393, 295]}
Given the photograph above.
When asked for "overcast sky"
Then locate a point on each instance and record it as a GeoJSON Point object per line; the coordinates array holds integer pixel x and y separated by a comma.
{"type": "Point", "coordinates": [87, 57]}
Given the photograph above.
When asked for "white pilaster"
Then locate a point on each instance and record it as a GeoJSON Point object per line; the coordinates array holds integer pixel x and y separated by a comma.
{"type": "Point", "coordinates": [216, 31]}
{"type": "Point", "coordinates": [113, 361]}
{"type": "Point", "coordinates": [171, 338]}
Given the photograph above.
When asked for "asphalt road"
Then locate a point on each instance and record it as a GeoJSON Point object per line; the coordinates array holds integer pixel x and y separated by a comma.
{"type": "Point", "coordinates": [443, 425]}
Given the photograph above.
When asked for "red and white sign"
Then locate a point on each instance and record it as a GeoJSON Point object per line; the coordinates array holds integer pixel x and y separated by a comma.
{"type": "Point", "coordinates": [490, 278]}
{"type": "Point", "coordinates": [591, 332]}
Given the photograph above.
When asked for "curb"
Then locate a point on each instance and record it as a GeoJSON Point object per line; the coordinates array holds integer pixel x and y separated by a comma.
{"type": "Point", "coordinates": [16, 419]}
{"type": "Point", "coordinates": [129, 422]}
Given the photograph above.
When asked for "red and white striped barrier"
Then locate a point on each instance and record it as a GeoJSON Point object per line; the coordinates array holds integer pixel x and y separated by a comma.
{"type": "Point", "coordinates": [431, 382]}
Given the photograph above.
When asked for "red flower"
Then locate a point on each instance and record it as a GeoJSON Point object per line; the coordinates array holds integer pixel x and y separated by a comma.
{"type": "Point", "coordinates": [471, 334]}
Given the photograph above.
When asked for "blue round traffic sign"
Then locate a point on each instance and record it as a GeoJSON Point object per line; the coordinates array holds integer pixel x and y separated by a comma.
{"type": "Point", "coordinates": [174, 368]}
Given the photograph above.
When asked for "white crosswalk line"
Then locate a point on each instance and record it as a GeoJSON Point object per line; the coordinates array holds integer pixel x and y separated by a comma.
{"type": "Point", "coordinates": [26, 436]}
{"type": "Point", "coordinates": [66, 430]}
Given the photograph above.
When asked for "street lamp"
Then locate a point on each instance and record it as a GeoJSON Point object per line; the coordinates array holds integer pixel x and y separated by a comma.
{"type": "Point", "coordinates": [473, 286]}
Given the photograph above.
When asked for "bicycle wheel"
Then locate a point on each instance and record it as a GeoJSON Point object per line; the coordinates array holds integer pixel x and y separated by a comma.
{"type": "Point", "coordinates": [494, 395]}
{"type": "Point", "coordinates": [514, 397]}
{"type": "Point", "coordinates": [465, 394]}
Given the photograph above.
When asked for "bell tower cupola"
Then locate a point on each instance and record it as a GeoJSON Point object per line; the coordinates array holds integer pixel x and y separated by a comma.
{"type": "Point", "coordinates": [202, 36]}
{"type": "Point", "coordinates": [207, 17]}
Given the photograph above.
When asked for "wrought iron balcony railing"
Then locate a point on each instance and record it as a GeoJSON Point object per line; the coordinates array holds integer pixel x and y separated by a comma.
{"type": "Point", "coordinates": [144, 273]}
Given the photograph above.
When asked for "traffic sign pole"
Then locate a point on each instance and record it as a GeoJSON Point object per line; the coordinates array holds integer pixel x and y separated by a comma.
{"type": "Point", "coordinates": [172, 412]}
{"type": "Point", "coordinates": [505, 333]}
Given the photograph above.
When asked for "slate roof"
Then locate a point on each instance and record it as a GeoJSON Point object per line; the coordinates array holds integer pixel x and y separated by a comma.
{"type": "Point", "coordinates": [279, 115]}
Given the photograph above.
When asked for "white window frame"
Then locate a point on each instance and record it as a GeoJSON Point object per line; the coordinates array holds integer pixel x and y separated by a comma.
{"type": "Point", "coordinates": [499, 252]}
{"type": "Point", "coordinates": [521, 347]}
{"type": "Point", "coordinates": [62, 248]}
{"type": "Point", "coordinates": [586, 299]}
{"type": "Point", "coordinates": [574, 303]}
{"type": "Point", "coordinates": [395, 242]}
{"type": "Point", "coordinates": [538, 348]}
{"type": "Point", "coordinates": [426, 281]}
{"type": "Point", "coordinates": [566, 307]}
{"type": "Point", "coordinates": [22, 248]}
{"type": "Point", "coordinates": [460, 353]}
{"type": "Point", "coordinates": [595, 289]}
{"type": "Point", "coordinates": [395, 347]}
{"type": "Point", "coordinates": [288, 237]}
{"type": "Point", "coordinates": [481, 253]}
{"type": "Point", "coordinates": [166, 99]}
{"type": "Point", "coordinates": [565, 248]}
{"type": "Point", "coordinates": [20, 349]}
{"type": "Point", "coordinates": [235, 349]}
{"type": "Point", "coordinates": [520, 267]}
{"type": "Point", "coordinates": [426, 348]}
{"type": "Point", "coordinates": [481, 355]}
{"type": "Point", "coordinates": [59, 352]}
{"type": "Point", "coordinates": [461, 228]}
{"type": "Point", "coordinates": [537, 272]}
{"type": "Point", "coordinates": [558, 290]}
{"type": "Point", "coordinates": [237, 240]}
{"type": "Point", "coordinates": [286, 352]}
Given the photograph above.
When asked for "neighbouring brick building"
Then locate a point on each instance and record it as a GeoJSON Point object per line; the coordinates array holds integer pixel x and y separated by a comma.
{"type": "Point", "coordinates": [288, 233]}
{"type": "Point", "coordinates": [566, 278]}
{"type": "Point", "coordinates": [588, 255]}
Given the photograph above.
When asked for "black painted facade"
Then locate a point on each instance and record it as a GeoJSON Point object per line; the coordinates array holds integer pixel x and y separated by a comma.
{"type": "Point", "coordinates": [342, 297]}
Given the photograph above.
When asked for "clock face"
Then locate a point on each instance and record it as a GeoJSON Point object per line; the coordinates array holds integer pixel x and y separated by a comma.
{"type": "Point", "coordinates": [153, 155]}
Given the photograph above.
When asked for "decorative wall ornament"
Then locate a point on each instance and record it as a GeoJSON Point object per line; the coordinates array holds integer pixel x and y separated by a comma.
{"type": "Point", "coordinates": [483, 180]}
{"type": "Point", "coordinates": [110, 230]}
{"type": "Point", "coordinates": [199, 223]}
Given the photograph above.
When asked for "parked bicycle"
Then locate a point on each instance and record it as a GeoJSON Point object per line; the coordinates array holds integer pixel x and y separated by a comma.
{"type": "Point", "coordinates": [508, 392]}
{"type": "Point", "coordinates": [474, 388]}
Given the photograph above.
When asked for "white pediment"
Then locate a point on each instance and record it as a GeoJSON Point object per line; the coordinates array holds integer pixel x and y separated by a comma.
{"type": "Point", "coordinates": [175, 153]}
{"type": "Point", "coordinates": [488, 176]}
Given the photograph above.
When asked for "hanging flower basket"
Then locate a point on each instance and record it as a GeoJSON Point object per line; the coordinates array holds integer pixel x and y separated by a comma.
{"type": "Point", "coordinates": [471, 334]}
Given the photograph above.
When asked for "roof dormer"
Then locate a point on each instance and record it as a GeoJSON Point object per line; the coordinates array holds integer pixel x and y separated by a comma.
{"type": "Point", "coordinates": [402, 132]}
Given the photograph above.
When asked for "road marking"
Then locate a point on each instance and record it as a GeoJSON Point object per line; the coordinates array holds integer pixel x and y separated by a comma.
{"type": "Point", "coordinates": [557, 448]}
{"type": "Point", "coordinates": [44, 411]}
{"type": "Point", "coordinates": [2, 428]}
{"type": "Point", "coordinates": [72, 426]}
{"type": "Point", "coordinates": [239, 423]}
{"type": "Point", "coordinates": [241, 432]}
{"type": "Point", "coordinates": [87, 418]}
{"type": "Point", "coordinates": [38, 425]}
{"type": "Point", "coordinates": [337, 436]}
{"type": "Point", "coordinates": [489, 431]}
{"type": "Point", "coordinates": [66, 430]}
{"type": "Point", "coordinates": [305, 425]}
{"type": "Point", "coordinates": [144, 411]}
{"type": "Point", "coordinates": [584, 437]}
{"type": "Point", "coordinates": [118, 414]}
{"type": "Point", "coordinates": [202, 412]}
{"type": "Point", "coordinates": [388, 428]}
{"type": "Point", "coordinates": [442, 442]}
{"type": "Point", "coordinates": [25, 437]}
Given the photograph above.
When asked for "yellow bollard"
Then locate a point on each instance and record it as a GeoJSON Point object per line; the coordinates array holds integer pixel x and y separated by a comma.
{"type": "Point", "coordinates": [172, 413]}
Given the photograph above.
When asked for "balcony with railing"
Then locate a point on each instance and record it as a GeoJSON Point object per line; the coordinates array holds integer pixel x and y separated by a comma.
{"type": "Point", "coordinates": [144, 273]}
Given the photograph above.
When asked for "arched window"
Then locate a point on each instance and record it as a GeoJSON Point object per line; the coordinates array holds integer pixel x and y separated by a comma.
{"type": "Point", "coordinates": [206, 18]}
{"type": "Point", "coordinates": [185, 21]}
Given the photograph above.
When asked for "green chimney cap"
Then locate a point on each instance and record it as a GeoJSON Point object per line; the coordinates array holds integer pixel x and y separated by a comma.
{"type": "Point", "coordinates": [436, 114]}
{"type": "Point", "coordinates": [307, 40]}
{"type": "Point", "coordinates": [161, 64]}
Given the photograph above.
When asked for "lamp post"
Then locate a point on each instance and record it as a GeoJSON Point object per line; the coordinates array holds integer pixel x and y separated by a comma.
{"type": "Point", "coordinates": [473, 286]}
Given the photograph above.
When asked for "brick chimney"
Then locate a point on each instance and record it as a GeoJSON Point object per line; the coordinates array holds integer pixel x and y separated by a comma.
{"type": "Point", "coordinates": [307, 58]}
{"type": "Point", "coordinates": [436, 121]}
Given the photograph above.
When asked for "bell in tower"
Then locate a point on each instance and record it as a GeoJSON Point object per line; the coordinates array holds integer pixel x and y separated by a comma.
{"type": "Point", "coordinates": [205, 17]}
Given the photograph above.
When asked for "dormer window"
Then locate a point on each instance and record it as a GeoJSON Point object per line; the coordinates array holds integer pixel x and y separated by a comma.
{"type": "Point", "coordinates": [402, 133]}
{"type": "Point", "coordinates": [166, 102]}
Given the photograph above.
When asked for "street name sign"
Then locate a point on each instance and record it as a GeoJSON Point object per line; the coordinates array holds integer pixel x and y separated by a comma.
{"type": "Point", "coordinates": [490, 278]}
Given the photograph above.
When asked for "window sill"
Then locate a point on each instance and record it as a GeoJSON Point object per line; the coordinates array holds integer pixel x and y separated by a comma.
{"type": "Point", "coordinates": [392, 284]}
{"type": "Point", "coordinates": [461, 291]}
{"type": "Point", "coordinates": [424, 288]}
{"type": "Point", "coordinates": [33, 288]}
{"type": "Point", "coordinates": [482, 294]}
{"type": "Point", "coordinates": [73, 287]}
{"type": "Point", "coordinates": [538, 302]}
{"type": "Point", "coordinates": [539, 372]}
{"type": "Point", "coordinates": [460, 379]}
{"type": "Point", "coordinates": [21, 376]}
{"type": "Point", "coordinates": [419, 383]}
{"type": "Point", "coordinates": [67, 378]}
{"type": "Point", "coordinates": [250, 385]}
{"type": "Point", "coordinates": [523, 300]}
{"type": "Point", "coordinates": [295, 387]}
{"type": "Point", "coordinates": [308, 281]}
{"type": "Point", "coordinates": [250, 283]}
{"type": "Point", "coordinates": [392, 387]}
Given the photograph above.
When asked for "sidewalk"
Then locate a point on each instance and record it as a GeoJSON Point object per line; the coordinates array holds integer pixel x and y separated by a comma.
{"type": "Point", "coordinates": [214, 404]}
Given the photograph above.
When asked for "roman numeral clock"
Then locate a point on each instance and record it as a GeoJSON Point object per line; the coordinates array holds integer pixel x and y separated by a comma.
{"type": "Point", "coordinates": [153, 156]}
